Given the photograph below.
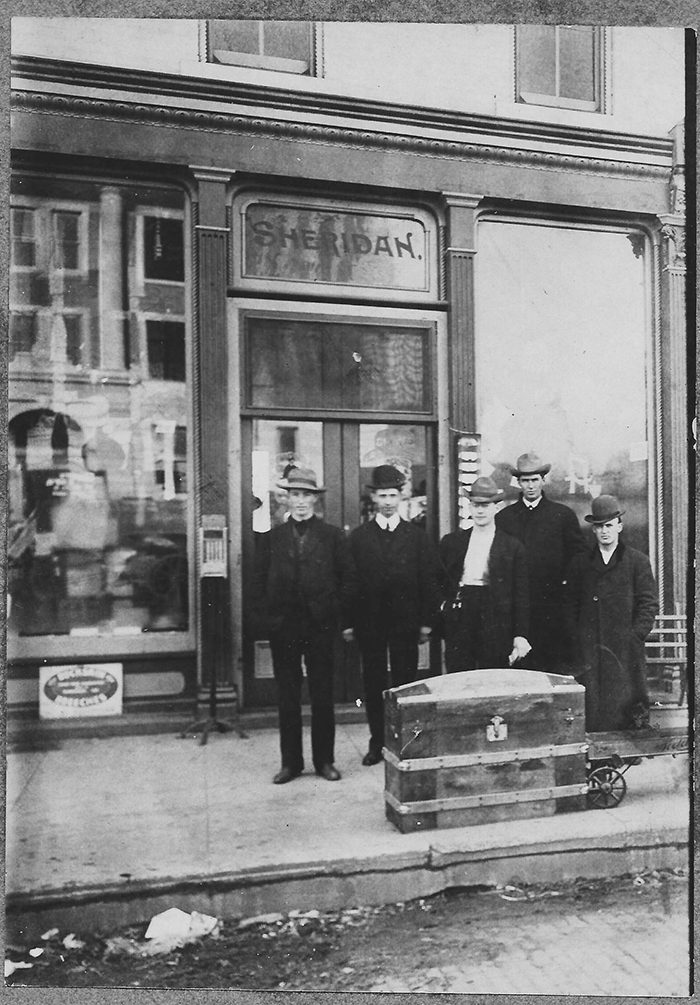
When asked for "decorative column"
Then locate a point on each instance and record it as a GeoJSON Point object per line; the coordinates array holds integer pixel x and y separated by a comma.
{"type": "Point", "coordinates": [462, 210]}
{"type": "Point", "coordinates": [111, 305]}
{"type": "Point", "coordinates": [211, 417]}
{"type": "Point", "coordinates": [674, 386]}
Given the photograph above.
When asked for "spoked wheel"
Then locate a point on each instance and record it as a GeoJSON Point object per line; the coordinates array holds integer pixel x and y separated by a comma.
{"type": "Point", "coordinates": [606, 788]}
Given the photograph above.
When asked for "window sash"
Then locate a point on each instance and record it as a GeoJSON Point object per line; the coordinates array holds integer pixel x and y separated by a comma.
{"type": "Point", "coordinates": [549, 93]}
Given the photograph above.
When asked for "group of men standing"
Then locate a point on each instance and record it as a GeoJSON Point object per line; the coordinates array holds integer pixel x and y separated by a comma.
{"type": "Point", "coordinates": [521, 586]}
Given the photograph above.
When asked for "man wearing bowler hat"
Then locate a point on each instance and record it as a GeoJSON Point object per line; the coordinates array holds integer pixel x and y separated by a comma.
{"type": "Point", "coordinates": [552, 536]}
{"type": "Point", "coordinates": [610, 605]}
{"type": "Point", "coordinates": [486, 608]}
{"type": "Point", "coordinates": [303, 584]}
{"type": "Point", "coordinates": [397, 598]}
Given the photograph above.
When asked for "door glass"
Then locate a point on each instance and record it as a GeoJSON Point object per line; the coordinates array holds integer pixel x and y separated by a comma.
{"type": "Point", "coordinates": [277, 444]}
{"type": "Point", "coordinates": [405, 448]}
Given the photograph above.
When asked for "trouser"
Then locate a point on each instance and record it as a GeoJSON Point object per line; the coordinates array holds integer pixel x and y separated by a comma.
{"type": "Point", "coordinates": [467, 645]}
{"type": "Point", "coordinates": [315, 645]}
{"type": "Point", "coordinates": [403, 656]}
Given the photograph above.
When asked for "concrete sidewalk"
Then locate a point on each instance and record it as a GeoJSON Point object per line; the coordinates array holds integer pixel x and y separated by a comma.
{"type": "Point", "coordinates": [107, 832]}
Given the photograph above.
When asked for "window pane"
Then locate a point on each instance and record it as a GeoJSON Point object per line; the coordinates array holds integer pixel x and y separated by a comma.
{"type": "Point", "coordinates": [576, 59]}
{"type": "Point", "coordinates": [23, 246]}
{"type": "Point", "coordinates": [537, 59]}
{"type": "Point", "coordinates": [234, 36]}
{"type": "Point", "coordinates": [404, 447]}
{"type": "Point", "coordinates": [337, 366]}
{"type": "Point", "coordinates": [166, 350]}
{"type": "Point", "coordinates": [74, 339]}
{"type": "Point", "coordinates": [288, 39]}
{"type": "Point", "coordinates": [22, 333]}
{"type": "Point", "coordinates": [561, 363]}
{"type": "Point", "coordinates": [164, 255]}
{"type": "Point", "coordinates": [277, 445]}
{"type": "Point", "coordinates": [67, 233]}
{"type": "Point", "coordinates": [98, 504]}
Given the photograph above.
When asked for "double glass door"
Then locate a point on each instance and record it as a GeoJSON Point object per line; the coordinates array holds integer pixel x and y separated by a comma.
{"type": "Point", "coordinates": [343, 454]}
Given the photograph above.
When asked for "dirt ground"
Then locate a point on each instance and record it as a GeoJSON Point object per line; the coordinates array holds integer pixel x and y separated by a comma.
{"type": "Point", "coordinates": [350, 950]}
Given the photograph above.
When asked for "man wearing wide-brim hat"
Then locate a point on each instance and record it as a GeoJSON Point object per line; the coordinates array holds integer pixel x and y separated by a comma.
{"type": "Point", "coordinates": [486, 609]}
{"type": "Point", "coordinates": [552, 536]}
{"type": "Point", "coordinates": [397, 599]}
{"type": "Point", "coordinates": [610, 605]}
{"type": "Point", "coordinates": [302, 588]}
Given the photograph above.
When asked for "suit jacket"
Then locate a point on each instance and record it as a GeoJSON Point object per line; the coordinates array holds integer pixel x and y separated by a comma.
{"type": "Point", "coordinates": [399, 596]}
{"type": "Point", "coordinates": [552, 536]}
{"type": "Point", "coordinates": [322, 584]}
{"type": "Point", "coordinates": [507, 610]}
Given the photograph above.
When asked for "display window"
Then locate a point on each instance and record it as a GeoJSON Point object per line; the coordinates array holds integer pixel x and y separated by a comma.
{"type": "Point", "coordinates": [564, 363]}
{"type": "Point", "coordinates": [100, 528]}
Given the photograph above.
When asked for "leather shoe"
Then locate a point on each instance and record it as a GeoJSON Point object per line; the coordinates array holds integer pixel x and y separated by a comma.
{"type": "Point", "coordinates": [372, 757]}
{"type": "Point", "coordinates": [285, 775]}
{"type": "Point", "coordinates": [329, 772]}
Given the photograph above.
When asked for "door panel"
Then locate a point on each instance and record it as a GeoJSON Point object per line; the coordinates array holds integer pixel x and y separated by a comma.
{"type": "Point", "coordinates": [343, 455]}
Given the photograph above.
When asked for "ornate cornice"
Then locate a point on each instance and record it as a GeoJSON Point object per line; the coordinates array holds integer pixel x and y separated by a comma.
{"type": "Point", "coordinates": [256, 126]}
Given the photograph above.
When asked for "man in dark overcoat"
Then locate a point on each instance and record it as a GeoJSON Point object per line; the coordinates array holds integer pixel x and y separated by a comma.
{"type": "Point", "coordinates": [552, 536]}
{"type": "Point", "coordinates": [610, 605]}
{"type": "Point", "coordinates": [302, 588]}
{"type": "Point", "coordinates": [397, 599]}
{"type": "Point", "coordinates": [486, 608]}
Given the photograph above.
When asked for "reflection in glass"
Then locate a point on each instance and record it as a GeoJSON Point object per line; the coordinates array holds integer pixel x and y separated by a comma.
{"type": "Point", "coordinates": [560, 354]}
{"type": "Point", "coordinates": [404, 447]}
{"type": "Point", "coordinates": [337, 366]}
{"type": "Point", "coordinates": [98, 494]}
{"type": "Point", "coordinates": [279, 445]}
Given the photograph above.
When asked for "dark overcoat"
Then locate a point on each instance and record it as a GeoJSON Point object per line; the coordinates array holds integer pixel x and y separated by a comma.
{"type": "Point", "coordinates": [323, 583]}
{"type": "Point", "coordinates": [507, 612]}
{"type": "Point", "coordinates": [552, 536]}
{"type": "Point", "coordinates": [609, 611]}
{"type": "Point", "coordinates": [400, 597]}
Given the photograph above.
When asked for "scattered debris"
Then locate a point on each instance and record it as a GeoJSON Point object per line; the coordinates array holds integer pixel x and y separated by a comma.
{"type": "Point", "coordinates": [52, 932]}
{"type": "Point", "coordinates": [261, 919]}
{"type": "Point", "coordinates": [71, 941]}
{"type": "Point", "coordinates": [174, 928]}
{"type": "Point", "coordinates": [36, 952]}
{"type": "Point", "coordinates": [11, 966]}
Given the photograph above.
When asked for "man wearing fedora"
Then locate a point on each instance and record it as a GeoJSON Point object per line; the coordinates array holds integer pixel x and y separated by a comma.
{"type": "Point", "coordinates": [397, 598]}
{"type": "Point", "coordinates": [552, 536]}
{"type": "Point", "coordinates": [610, 605]}
{"type": "Point", "coordinates": [302, 588]}
{"type": "Point", "coordinates": [486, 609]}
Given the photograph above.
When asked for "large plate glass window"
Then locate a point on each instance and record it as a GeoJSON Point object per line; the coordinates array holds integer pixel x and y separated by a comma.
{"type": "Point", "coordinates": [562, 354]}
{"type": "Point", "coordinates": [99, 458]}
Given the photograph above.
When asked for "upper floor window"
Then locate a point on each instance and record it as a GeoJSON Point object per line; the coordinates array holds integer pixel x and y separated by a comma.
{"type": "Point", "coordinates": [269, 45]}
{"type": "Point", "coordinates": [66, 240]}
{"type": "Point", "coordinates": [559, 65]}
{"type": "Point", "coordinates": [163, 249]}
{"type": "Point", "coordinates": [23, 237]}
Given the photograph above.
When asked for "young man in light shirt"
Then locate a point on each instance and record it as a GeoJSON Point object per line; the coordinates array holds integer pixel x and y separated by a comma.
{"type": "Point", "coordinates": [486, 608]}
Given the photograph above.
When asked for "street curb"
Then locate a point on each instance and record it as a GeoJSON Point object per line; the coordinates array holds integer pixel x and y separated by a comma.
{"type": "Point", "coordinates": [336, 884]}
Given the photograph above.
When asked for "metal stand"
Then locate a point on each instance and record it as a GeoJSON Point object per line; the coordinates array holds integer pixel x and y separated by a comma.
{"type": "Point", "coordinates": [212, 724]}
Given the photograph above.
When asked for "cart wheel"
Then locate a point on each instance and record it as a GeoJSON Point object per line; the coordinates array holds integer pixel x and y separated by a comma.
{"type": "Point", "coordinates": [606, 788]}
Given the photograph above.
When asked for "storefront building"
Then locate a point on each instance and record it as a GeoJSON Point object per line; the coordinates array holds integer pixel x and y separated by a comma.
{"type": "Point", "coordinates": [229, 256]}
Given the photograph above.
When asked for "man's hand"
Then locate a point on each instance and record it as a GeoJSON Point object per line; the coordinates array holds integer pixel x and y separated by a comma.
{"type": "Point", "coordinates": [425, 633]}
{"type": "Point", "coordinates": [521, 647]}
{"type": "Point", "coordinates": [348, 635]}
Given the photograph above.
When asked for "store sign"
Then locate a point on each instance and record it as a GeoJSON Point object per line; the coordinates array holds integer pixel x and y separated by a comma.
{"type": "Point", "coordinates": [79, 690]}
{"type": "Point", "coordinates": [330, 244]}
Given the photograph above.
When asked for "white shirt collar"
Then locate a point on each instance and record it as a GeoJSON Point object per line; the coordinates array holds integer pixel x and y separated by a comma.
{"type": "Point", "coordinates": [534, 505]}
{"type": "Point", "coordinates": [388, 523]}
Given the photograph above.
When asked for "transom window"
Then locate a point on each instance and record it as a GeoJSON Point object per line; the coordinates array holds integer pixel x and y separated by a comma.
{"type": "Point", "coordinates": [559, 65]}
{"type": "Point", "coordinates": [271, 45]}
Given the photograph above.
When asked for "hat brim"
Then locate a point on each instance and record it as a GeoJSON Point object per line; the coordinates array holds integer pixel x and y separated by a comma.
{"type": "Point", "coordinates": [304, 486]}
{"type": "Point", "coordinates": [378, 488]}
{"type": "Point", "coordinates": [545, 469]}
{"type": "Point", "coordinates": [497, 498]}
{"type": "Point", "coordinates": [589, 518]}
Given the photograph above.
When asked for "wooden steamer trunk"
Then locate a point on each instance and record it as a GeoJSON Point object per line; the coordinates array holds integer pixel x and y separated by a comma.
{"type": "Point", "coordinates": [482, 746]}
